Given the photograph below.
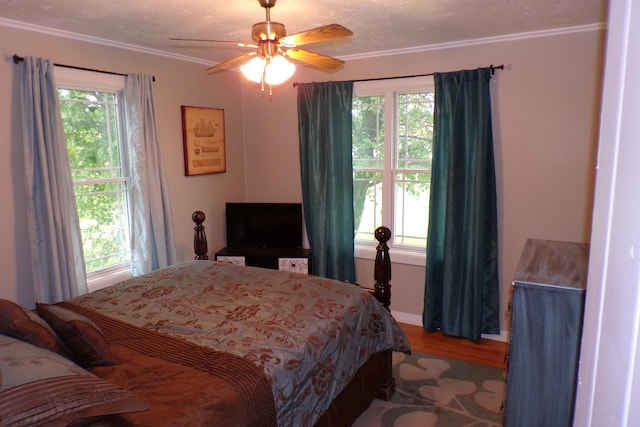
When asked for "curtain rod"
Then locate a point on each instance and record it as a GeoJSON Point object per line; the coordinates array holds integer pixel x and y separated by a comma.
{"type": "Point", "coordinates": [491, 67]}
{"type": "Point", "coordinates": [17, 59]}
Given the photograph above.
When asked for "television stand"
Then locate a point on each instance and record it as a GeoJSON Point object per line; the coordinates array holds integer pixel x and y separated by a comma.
{"type": "Point", "coordinates": [289, 259]}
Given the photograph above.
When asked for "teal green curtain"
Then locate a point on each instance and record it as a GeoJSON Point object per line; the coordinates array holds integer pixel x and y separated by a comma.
{"type": "Point", "coordinates": [461, 290]}
{"type": "Point", "coordinates": [326, 170]}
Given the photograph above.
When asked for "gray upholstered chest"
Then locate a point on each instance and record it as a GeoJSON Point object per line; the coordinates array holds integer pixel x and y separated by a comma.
{"type": "Point", "coordinates": [546, 328]}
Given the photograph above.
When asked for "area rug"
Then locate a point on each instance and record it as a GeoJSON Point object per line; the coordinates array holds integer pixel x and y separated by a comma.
{"type": "Point", "coordinates": [433, 391]}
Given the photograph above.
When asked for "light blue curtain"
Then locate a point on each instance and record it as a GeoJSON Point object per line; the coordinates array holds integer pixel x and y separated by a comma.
{"type": "Point", "coordinates": [152, 235]}
{"type": "Point", "coordinates": [324, 128]}
{"type": "Point", "coordinates": [461, 290]}
{"type": "Point", "coordinates": [54, 233]}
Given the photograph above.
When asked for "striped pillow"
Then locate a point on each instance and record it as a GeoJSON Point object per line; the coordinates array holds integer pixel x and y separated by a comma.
{"type": "Point", "coordinates": [38, 386]}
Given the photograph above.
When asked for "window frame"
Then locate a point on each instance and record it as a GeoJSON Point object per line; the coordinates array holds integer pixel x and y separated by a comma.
{"type": "Point", "coordinates": [71, 78]}
{"type": "Point", "coordinates": [389, 89]}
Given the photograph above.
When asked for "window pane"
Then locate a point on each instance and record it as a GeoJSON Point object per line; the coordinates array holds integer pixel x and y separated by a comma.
{"type": "Point", "coordinates": [367, 204]}
{"type": "Point", "coordinates": [415, 130]}
{"type": "Point", "coordinates": [91, 126]}
{"type": "Point", "coordinates": [368, 132]}
{"type": "Point", "coordinates": [368, 163]}
{"type": "Point", "coordinates": [411, 209]}
{"type": "Point", "coordinates": [103, 223]}
{"type": "Point", "coordinates": [414, 145]}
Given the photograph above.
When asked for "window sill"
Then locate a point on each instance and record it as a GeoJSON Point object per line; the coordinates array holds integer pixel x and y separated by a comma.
{"type": "Point", "coordinates": [107, 277]}
{"type": "Point", "coordinates": [397, 255]}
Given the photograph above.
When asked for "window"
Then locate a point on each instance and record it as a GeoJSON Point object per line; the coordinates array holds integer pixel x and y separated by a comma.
{"type": "Point", "coordinates": [91, 113]}
{"type": "Point", "coordinates": [392, 147]}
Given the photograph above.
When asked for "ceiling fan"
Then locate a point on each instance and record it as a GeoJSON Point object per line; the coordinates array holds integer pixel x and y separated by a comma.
{"type": "Point", "coordinates": [268, 61]}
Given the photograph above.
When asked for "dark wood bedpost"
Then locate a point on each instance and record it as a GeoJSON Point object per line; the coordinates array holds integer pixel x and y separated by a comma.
{"type": "Point", "coordinates": [199, 236]}
{"type": "Point", "coordinates": [382, 269]}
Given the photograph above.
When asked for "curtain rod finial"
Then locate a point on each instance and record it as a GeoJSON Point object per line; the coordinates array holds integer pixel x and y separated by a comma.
{"type": "Point", "coordinates": [494, 68]}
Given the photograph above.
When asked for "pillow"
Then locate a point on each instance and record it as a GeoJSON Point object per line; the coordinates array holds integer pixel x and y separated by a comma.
{"type": "Point", "coordinates": [22, 324]}
{"type": "Point", "coordinates": [81, 336]}
{"type": "Point", "coordinates": [40, 387]}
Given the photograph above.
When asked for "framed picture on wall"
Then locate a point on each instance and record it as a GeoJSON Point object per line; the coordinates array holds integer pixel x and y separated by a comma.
{"type": "Point", "coordinates": [203, 140]}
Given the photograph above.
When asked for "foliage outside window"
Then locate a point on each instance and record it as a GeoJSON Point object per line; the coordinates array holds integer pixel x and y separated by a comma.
{"type": "Point", "coordinates": [92, 125]}
{"type": "Point", "coordinates": [392, 148]}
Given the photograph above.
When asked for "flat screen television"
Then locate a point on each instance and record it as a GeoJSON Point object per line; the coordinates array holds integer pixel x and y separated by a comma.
{"type": "Point", "coordinates": [264, 225]}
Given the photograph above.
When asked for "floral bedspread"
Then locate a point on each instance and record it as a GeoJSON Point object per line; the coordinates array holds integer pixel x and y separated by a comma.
{"type": "Point", "coordinates": [308, 333]}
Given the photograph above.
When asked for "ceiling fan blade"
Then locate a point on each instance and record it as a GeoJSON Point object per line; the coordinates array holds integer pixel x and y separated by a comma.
{"type": "Point", "coordinates": [238, 44]}
{"type": "Point", "coordinates": [320, 34]}
{"type": "Point", "coordinates": [315, 59]}
{"type": "Point", "coordinates": [229, 62]}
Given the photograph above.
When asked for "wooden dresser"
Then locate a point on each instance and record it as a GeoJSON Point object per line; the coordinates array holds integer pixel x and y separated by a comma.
{"type": "Point", "coordinates": [546, 329]}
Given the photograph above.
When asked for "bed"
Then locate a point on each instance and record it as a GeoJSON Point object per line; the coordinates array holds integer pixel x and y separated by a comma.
{"type": "Point", "coordinates": [205, 343]}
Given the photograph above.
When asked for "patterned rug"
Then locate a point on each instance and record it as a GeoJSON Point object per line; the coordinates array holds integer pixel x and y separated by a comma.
{"type": "Point", "coordinates": [433, 391]}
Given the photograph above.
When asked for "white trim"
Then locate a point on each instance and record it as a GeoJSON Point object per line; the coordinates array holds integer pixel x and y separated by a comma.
{"type": "Point", "coordinates": [503, 336]}
{"type": "Point", "coordinates": [380, 87]}
{"type": "Point", "coordinates": [608, 385]}
{"type": "Point", "coordinates": [408, 318]}
{"type": "Point", "coordinates": [398, 255]}
{"type": "Point", "coordinates": [71, 78]}
{"type": "Point", "coordinates": [416, 320]}
{"type": "Point", "coordinates": [96, 40]}
{"type": "Point", "coordinates": [107, 276]}
{"type": "Point", "coordinates": [417, 49]}
{"type": "Point", "coordinates": [475, 42]}
{"type": "Point", "coordinates": [403, 254]}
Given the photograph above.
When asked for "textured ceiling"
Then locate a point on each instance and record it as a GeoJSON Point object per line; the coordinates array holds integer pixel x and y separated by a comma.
{"type": "Point", "coordinates": [378, 25]}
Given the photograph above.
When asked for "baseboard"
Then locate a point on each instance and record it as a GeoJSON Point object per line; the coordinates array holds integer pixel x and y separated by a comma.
{"type": "Point", "coordinates": [504, 336]}
{"type": "Point", "coordinates": [416, 320]}
{"type": "Point", "coordinates": [408, 318]}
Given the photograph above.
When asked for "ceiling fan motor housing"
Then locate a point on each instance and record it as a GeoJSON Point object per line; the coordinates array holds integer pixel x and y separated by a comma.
{"type": "Point", "coordinates": [267, 3]}
{"type": "Point", "coordinates": [268, 30]}
{"type": "Point", "coordinates": [268, 49]}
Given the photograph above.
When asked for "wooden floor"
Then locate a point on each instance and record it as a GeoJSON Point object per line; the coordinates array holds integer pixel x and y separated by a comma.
{"type": "Point", "coordinates": [486, 352]}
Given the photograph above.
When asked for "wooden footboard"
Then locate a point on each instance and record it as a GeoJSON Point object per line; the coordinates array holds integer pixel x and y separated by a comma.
{"type": "Point", "coordinates": [382, 267]}
{"type": "Point", "coordinates": [373, 380]}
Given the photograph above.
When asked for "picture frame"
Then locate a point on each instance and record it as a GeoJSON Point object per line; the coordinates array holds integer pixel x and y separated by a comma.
{"type": "Point", "coordinates": [203, 140]}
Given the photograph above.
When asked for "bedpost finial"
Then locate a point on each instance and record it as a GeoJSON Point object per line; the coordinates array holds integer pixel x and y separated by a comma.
{"type": "Point", "coordinates": [382, 234]}
{"type": "Point", "coordinates": [198, 217]}
{"type": "Point", "coordinates": [199, 236]}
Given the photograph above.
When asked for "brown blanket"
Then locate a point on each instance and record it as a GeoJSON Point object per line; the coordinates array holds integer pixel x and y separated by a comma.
{"type": "Point", "coordinates": [184, 384]}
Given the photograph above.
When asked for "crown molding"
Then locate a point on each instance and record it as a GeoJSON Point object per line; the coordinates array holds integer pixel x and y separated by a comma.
{"type": "Point", "coordinates": [475, 42]}
{"type": "Point", "coordinates": [417, 49]}
{"type": "Point", "coordinates": [96, 40]}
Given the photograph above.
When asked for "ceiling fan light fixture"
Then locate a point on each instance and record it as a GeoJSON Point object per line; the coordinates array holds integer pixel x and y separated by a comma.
{"type": "Point", "coordinates": [254, 69]}
{"type": "Point", "coordinates": [273, 71]}
{"type": "Point", "coordinates": [278, 70]}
